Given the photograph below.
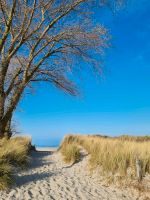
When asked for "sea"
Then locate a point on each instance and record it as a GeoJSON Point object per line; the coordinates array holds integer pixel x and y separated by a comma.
{"type": "Point", "coordinates": [46, 143]}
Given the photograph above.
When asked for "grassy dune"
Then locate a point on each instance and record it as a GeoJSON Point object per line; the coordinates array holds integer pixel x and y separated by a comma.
{"type": "Point", "coordinates": [13, 154]}
{"type": "Point", "coordinates": [113, 155]}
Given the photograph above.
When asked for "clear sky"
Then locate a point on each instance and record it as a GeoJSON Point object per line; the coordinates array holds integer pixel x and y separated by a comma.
{"type": "Point", "coordinates": [116, 103]}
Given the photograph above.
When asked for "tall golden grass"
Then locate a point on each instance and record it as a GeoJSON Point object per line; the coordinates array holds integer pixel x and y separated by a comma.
{"type": "Point", "coordinates": [13, 154]}
{"type": "Point", "coordinates": [114, 155]}
{"type": "Point", "coordinates": [71, 153]}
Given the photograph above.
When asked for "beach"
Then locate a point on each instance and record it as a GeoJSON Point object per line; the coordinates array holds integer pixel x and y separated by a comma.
{"type": "Point", "coordinates": [49, 178]}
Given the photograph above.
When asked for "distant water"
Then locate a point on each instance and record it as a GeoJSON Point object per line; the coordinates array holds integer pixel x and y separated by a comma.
{"type": "Point", "coordinates": [46, 143]}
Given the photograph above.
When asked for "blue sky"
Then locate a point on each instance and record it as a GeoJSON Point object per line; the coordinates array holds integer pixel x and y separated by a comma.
{"type": "Point", "coordinates": [116, 103]}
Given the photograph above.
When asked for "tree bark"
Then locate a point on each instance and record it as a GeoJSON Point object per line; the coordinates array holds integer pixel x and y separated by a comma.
{"type": "Point", "coordinates": [5, 127]}
{"type": "Point", "coordinates": [2, 102]}
{"type": "Point", "coordinates": [5, 130]}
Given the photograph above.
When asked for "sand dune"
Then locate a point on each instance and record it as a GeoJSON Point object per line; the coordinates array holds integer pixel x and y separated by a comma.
{"type": "Point", "coordinates": [48, 178]}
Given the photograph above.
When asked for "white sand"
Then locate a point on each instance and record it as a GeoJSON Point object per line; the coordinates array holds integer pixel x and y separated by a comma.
{"type": "Point", "coordinates": [49, 178]}
{"type": "Point", "coordinates": [46, 148]}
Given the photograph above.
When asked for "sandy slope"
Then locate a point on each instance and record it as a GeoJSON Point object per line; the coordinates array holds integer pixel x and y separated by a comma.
{"type": "Point", "coordinates": [49, 178]}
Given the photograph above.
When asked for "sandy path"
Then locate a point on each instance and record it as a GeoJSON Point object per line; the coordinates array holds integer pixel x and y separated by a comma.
{"type": "Point", "coordinates": [49, 178]}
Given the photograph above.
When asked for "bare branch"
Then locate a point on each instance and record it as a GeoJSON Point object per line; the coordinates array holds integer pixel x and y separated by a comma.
{"type": "Point", "coordinates": [8, 24]}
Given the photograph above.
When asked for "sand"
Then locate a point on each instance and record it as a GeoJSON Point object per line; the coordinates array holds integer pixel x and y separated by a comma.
{"type": "Point", "coordinates": [51, 149]}
{"type": "Point", "coordinates": [48, 178]}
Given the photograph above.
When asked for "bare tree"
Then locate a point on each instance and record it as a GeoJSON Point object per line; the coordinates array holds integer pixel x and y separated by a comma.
{"type": "Point", "coordinates": [44, 40]}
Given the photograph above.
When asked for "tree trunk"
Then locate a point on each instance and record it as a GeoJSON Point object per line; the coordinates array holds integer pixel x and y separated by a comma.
{"type": "Point", "coordinates": [5, 128]}
{"type": "Point", "coordinates": [1, 116]}
{"type": "Point", "coordinates": [2, 103]}
{"type": "Point", "coordinates": [3, 70]}
{"type": "Point", "coordinates": [5, 120]}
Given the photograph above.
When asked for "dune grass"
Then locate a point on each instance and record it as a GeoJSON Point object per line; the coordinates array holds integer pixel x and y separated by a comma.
{"type": "Point", "coordinates": [13, 154]}
{"type": "Point", "coordinates": [114, 155]}
{"type": "Point", "coordinates": [145, 138]}
{"type": "Point", "coordinates": [70, 152]}
{"type": "Point", "coordinates": [5, 175]}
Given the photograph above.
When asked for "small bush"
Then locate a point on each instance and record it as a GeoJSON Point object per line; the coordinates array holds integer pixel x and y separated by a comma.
{"type": "Point", "coordinates": [71, 153]}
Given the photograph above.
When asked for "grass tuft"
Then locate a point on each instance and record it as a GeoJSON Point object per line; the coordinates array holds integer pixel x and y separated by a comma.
{"type": "Point", "coordinates": [6, 178]}
{"type": "Point", "coordinates": [13, 154]}
{"type": "Point", "coordinates": [71, 153]}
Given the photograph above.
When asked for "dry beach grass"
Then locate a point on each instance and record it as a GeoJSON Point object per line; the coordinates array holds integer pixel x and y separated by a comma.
{"type": "Point", "coordinates": [113, 155]}
{"type": "Point", "coordinates": [71, 153]}
{"type": "Point", "coordinates": [65, 174]}
{"type": "Point", "coordinates": [13, 155]}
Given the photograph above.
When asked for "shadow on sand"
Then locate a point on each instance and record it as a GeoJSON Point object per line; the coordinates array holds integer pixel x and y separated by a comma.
{"type": "Point", "coordinates": [28, 175]}
{"type": "Point", "coordinates": [25, 179]}
{"type": "Point", "coordinates": [37, 159]}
